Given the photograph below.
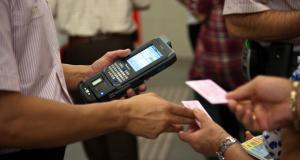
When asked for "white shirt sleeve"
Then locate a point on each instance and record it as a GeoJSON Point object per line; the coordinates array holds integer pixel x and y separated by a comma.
{"type": "Point", "coordinates": [9, 75]}
{"type": "Point", "coordinates": [141, 4]}
{"type": "Point", "coordinates": [245, 6]}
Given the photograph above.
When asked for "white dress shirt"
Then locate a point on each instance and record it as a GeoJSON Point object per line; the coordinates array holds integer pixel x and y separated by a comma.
{"type": "Point", "coordinates": [89, 17]}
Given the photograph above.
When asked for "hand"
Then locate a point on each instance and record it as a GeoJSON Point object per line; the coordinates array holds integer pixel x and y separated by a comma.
{"type": "Point", "coordinates": [107, 60]}
{"type": "Point", "coordinates": [208, 138]}
{"type": "Point", "coordinates": [263, 103]}
{"type": "Point", "coordinates": [148, 115]}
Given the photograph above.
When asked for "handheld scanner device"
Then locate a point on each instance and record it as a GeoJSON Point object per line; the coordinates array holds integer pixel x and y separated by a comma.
{"type": "Point", "coordinates": [128, 72]}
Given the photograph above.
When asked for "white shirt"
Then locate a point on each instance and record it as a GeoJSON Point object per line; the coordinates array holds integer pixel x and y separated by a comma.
{"type": "Point", "coordinates": [89, 17]}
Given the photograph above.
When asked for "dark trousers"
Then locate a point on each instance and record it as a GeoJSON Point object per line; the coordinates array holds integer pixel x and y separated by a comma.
{"type": "Point", "coordinates": [36, 154]}
{"type": "Point", "coordinates": [86, 50]}
{"type": "Point", "coordinates": [193, 31]}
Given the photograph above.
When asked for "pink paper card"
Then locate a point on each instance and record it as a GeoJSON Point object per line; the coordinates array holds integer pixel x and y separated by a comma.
{"type": "Point", "coordinates": [195, 105]}
{"type": "Point", "coordinates": [208, 89]}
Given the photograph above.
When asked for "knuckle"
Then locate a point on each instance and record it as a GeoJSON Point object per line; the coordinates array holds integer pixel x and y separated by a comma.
{"type": "Point", "coordinates": [153, 94]}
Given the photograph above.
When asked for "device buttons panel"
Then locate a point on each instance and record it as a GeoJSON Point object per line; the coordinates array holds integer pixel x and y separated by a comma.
{"type": "Point", "coordinates": [118, 72]}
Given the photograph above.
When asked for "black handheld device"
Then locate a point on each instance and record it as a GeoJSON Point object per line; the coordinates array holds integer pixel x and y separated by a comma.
{"type": "Point", "coordinates": [131, 71]}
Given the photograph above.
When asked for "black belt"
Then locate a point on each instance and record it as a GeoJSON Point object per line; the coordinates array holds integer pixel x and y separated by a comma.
{"type": "Point", "coordinates": [100, 36]}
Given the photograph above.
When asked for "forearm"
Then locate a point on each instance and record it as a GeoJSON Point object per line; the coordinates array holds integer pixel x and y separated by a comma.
{"type": "Point", "coordinates": [266, 26]}
{"type": "Point", "coordinates": [74, 74]}
{"type": "Point", "coordinates": [236, 152]}
{"type": "Point", "coordinates": [30, 122]}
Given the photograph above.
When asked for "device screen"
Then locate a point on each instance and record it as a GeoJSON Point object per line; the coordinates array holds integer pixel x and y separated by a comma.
{"type": "Point", "coordinates": [144, 58]}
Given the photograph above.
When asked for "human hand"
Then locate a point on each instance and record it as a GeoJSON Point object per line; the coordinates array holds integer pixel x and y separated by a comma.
{"type": "Point", "coordinates": [149, 115]}
{"type": "Point", "coordinates": [208, 138]}
{"type": "Point", "coordinates": [263, 103]}
{"type": "Point", "coordinates": [107, 60]}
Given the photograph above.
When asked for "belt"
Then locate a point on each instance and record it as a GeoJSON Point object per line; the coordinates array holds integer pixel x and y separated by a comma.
{"type": "Point", "coordinates": [99, 36]}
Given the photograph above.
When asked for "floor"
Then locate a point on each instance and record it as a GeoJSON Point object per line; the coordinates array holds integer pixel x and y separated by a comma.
{"type": "Point", "coordinates": [169, 84]}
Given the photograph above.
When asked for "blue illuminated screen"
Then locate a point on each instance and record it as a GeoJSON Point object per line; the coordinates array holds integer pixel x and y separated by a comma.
{"type": "Point", "coordinates": [144, 58]}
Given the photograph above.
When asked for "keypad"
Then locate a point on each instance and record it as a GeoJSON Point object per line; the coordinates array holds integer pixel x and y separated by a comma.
{"type": "Point", "coordinates": [118, 72]}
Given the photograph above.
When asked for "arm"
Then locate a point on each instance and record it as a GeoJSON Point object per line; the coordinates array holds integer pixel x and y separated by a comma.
{"type": "Point", "coordinates": [76, 73]}
{"type": "Point", "coordinates": [280, 25]}
{"type": "Point", "coordinates": [31, 122]}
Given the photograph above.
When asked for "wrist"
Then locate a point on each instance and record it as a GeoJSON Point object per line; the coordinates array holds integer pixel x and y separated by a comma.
{"type": "Point", "coordinates": [123, 113]}
{"type": "Point", "coordinates": [220, 140]}
{"type": "Point", "coordinates": [76, 73]}
{"type": "Point", "coordinates": [224, 146]}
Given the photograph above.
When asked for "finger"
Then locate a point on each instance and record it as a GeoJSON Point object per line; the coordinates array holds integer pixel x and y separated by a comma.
{"type": "Point", "coordinates": [262, 122]}
{"type": "Point", "coordinates": [130, 92]}
{"type": "Point", "coordinates": [108, 59]}
{"type": "Point", "coordinates": [142, 87]}
{"type": "Point", "coordinates": [182, 111]}
{"type": "Point", "coordinates": [232, 105]}
{"type": "Point", "coordinates": [242, 92]}
{"type": "Point", "coordinates": [174, 128]}
{"type": "Point", "coordinates": [239, 112]}
{"type": "Point", "coordinates": [248, 135]}
{"type": "Point", "coordinates": [192, 127]}
{"type": "Point", "coordinates": [201, 116]}
{"type": "Point", "coordinates": [247, 119]}
{"type": "Point", "coordinates": [180, 120]}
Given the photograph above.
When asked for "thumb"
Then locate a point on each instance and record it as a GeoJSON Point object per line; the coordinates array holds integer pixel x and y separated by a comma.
{"type": "Point", "coordinates": [108, 59]}
{"type": "Point", "coordinates": [113, 55]}
{"type": "Point", "coordinates": [248, 135]}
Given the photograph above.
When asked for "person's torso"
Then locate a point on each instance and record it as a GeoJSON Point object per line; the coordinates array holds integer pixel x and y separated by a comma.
{"type": "Point", "coordinates": [36, 50]}
{"type": "Point", "coordinates": [88, 17]}
{"type": "Point", "coordinates": [218, 56]}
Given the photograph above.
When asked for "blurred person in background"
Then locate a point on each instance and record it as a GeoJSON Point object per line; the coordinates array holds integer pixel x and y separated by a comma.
{"type": "Point", "coordinates": [194, 22]}
{"type": "Point", "coordinates": [93, 28]}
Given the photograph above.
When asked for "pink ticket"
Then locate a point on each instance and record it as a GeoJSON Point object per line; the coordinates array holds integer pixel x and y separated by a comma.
{"type": "Point", "coordinates": [208, 89]}
{"type": "Point", "coordinates": [195, 105]}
